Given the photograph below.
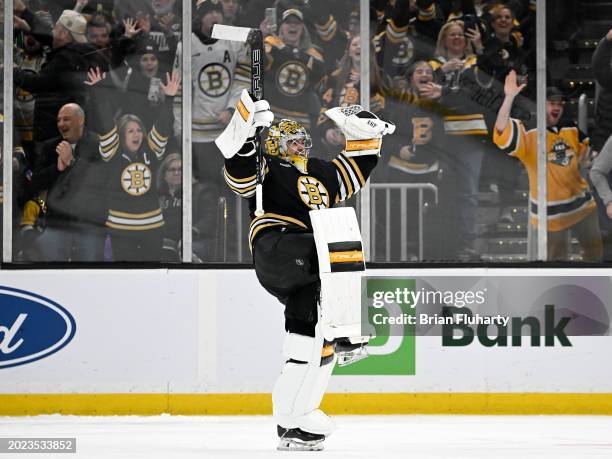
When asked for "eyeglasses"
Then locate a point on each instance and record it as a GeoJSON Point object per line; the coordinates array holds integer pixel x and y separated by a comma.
{"type": "Point", "coordinates": [174, 170]}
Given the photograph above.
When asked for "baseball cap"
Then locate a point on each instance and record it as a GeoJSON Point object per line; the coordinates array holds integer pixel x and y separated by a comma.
{"type": "Point", "coordinates": [149, 47]}
{"type": "Point", "coordinates": [203, 7]}
{"type": "Point", "coordinates": [292, 12]}
{"type": "Point", "coordinates": [75, 23]}
{"type": "Point", "coordinates": [554, 93]}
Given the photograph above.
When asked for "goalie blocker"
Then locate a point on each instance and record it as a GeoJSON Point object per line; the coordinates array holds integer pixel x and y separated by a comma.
{"type": "Point", "coordinates": [248, 116]}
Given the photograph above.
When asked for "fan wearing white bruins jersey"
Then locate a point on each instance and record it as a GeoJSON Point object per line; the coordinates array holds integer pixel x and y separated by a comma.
{"type": "Point", "coordinates": [283, 243]}
{"type": "Point", "coordinates": [132, 157]}
{"type": "Point", "coordinates": [219, 71]}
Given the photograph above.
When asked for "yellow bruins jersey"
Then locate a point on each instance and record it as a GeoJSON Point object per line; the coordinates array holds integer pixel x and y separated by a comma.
{"type": "Point", "coordinates": [569, 200]}
{"type": "Point", "coordinates": [290, 193]}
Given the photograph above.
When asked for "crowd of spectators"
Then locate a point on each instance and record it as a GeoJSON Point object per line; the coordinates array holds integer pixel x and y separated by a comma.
{"type": "Point", "coordinates": [111, 68]}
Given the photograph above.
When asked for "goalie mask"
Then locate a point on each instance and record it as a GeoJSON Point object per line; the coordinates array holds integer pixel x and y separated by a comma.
{"type": "Point", "coordinates": [289, 141]}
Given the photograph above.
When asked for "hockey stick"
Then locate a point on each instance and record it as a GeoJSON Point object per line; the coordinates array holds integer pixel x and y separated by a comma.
{"type": "Point", "coordinates": [254, 38]}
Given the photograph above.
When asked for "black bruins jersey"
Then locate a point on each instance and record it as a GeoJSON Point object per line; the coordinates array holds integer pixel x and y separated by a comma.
{"type": "Point", "coordinates": [291, 77]}
{"type": "Point", "coordinates": [422, 132]}
{"type": "Point", "coordinates": [289, 194]}
{"type": "Point", "coordinates": [133, 203]}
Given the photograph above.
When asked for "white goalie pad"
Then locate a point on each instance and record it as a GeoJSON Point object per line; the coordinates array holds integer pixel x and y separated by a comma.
{"type": "Point", "coordinates": [249, 115]}
{"type": "Point", "coordinates": [341, 266]}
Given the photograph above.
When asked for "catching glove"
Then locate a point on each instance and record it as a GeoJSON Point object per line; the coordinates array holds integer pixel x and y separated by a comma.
{"type": "Point", "coordinates": [362, 129]}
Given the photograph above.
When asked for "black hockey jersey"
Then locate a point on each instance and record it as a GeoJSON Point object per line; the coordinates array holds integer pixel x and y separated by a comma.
{"type": "Point", "coordinates": [291, 77]}
{"type": "Point", "coordinates": [133, 203]}
{"type": "Point", "coordinates": [289, 194]}
{"type": "Point", "coordinates": [420, 141]}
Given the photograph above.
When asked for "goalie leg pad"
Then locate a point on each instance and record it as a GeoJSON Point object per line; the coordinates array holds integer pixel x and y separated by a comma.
{"type": "Point", "coordinates": [299, 390]}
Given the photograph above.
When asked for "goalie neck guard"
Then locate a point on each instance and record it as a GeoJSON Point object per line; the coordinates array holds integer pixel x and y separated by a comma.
{"type": "Point", "coordinates": [289, 141]}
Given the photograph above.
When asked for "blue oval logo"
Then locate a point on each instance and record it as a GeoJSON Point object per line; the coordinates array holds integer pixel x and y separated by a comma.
{"type": "Point", "coordinates": [32, 327]}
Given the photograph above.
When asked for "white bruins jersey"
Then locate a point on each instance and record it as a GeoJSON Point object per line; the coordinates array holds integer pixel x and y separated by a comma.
{"type": "Point", "coordinates": [219, 72]}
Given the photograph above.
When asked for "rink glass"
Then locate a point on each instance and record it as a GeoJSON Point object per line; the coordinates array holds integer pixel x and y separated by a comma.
{"type": "Point", "coordinates": [471, 208]}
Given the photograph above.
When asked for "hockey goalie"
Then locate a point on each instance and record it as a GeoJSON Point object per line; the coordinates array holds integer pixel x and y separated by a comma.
{"type": "Point", "coordinates": [304, 252]}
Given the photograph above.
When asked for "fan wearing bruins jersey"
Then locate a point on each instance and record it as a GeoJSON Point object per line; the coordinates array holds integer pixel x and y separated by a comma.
{"type": "Point", "coordinates": [408, 36]}
{"type": "Point", "coordinates": [570, 206]}
{"type": "Point", "coordinates": [418, 150]}
{"type": "Point", "coordinates": [294, 67]}
{"type": "Point", "coordinates": [283, 244]}
{"type": "Point", "coordinates": [132, 159]}
{"type": "Point", "coordinates": [220, 70]}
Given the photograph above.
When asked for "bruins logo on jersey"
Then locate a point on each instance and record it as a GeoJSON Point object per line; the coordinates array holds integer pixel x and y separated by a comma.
{"type": "Point", "coordinates": [561, 154]}
{"type": "Point", "coordinates": [421, 130]}
{"type": "Point", "coordinates": [313, 193]}
{"type": "Point", "coordinates": [136, 179]}
{"type": "Point", "coordinates": [214, 80]}
{"type": "Point", "coordinates": [404, 53]}
{"type": "Point", "coordinates": [291, 78]}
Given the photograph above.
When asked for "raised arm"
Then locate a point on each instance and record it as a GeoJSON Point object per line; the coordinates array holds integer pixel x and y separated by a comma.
{"type": "Point", "coordinates": [109, 137]}
{"type": "Point", "coordinates": [237, 143]}
{"type": "Point", "coordinates": [511, 90]}
{"type": "Point", "coordinates": [162, 129]}
{"type": "Point", "coordinates": [363, 131]}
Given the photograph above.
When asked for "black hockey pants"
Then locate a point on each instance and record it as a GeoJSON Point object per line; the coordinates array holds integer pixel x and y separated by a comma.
{"type": "Point", "coordinates": [286, 265]}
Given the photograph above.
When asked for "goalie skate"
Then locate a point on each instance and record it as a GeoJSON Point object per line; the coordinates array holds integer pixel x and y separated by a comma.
{"type": "Point", "coordinates": [348, 352]}
{"type": "Point", "coordinates": [299, 440]}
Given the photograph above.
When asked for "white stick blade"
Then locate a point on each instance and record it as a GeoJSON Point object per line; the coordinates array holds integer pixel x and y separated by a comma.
{"type": "Point", "coordinates": [224, 32]}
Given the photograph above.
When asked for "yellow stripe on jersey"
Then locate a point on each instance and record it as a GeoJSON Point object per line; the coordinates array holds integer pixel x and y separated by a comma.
{"type": "Point", "coordinates": [245, 192]}
{"type": "Point", "coordinates": [346, 189]}
{"type": "Point", "coordinates": [268, 220]}
{"type": "Point", "coordinates": [394, 33]}
{"type": "Point", "coordinates": [157, 142]}
{"type": "Point", "coordinates": [243, 187]}
{"type": "Point", "coordinates": [463, 117]}
{"type": "Point", "coordinates": [109, 144]}
{"type": "Point", "coordinates": [327, 31]}
{"type": "Point", "coordinates": [118, 213]}
{"type": "Point", "coordinates": [427, 14]}
{"type": "Point", "coordinates": [357, 171]}
{"type": "Point", "coordinates": [465, 125]}
{"type": "Point", "coordinates": [283, 218]}
{"type": "Point", "coordinates": [135, 222]}
{"type": "Point", "coordinates": [349, 176]}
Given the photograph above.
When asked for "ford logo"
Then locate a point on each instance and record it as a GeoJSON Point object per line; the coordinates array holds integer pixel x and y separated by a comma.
{"type": "Point", "coordinates": [32, 327]}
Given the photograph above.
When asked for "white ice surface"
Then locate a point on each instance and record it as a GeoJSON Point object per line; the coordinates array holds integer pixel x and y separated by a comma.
{"type": "Point", "coordinates": [177, 437]}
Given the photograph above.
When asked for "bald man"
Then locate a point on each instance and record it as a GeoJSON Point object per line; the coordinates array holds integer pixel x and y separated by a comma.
{"type": "Point", "coordinates": [68, 170]}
